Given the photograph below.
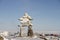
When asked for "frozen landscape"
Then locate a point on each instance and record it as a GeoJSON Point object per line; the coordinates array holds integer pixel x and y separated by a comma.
{"type": "Point", "coordinates": [25, 21]}
{"type": "Point", "coordinates": [29, 19]}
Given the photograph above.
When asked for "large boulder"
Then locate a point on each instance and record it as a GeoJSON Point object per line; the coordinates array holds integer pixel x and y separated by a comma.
{"type": "Point", "coordinates": [1, 38]}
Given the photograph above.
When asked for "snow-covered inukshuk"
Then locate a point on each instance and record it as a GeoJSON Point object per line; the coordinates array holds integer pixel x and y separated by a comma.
{"type": "Point", "coordinates": [26, 21]}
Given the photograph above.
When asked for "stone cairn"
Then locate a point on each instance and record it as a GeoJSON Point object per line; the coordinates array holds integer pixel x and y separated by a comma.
{"type": "Point", "coordinates": [25, 21]}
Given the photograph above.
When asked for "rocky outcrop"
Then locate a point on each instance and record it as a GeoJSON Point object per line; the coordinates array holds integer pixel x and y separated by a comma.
{"type": "Point", "coordinates": [1, 38]}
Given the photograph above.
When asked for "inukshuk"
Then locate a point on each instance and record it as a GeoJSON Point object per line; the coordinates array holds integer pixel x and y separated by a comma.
{"type": "Point", "coordinates": [26, 21]}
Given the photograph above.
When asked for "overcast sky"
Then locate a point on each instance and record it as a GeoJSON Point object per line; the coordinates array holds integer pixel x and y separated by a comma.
{"type": "Point", "coordinates": [45, 14]}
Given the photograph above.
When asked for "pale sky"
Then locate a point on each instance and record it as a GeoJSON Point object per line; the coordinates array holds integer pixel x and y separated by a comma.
{"type": "Point", "coordinates": [45, 14]}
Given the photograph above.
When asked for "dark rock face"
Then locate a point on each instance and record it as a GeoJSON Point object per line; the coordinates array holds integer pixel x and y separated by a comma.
{"type": "Point", "coordinates": [1, 38]}
{"type": "Point", "coordinates": [20, 34]}
{"type": "Point", "coordinates": [30, 31]}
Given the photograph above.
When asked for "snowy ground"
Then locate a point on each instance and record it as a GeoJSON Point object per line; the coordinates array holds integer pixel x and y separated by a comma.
{"type": "Point", "coordinates": [21, 38]}
{"type": "Point", "coordinates": [29, 38]}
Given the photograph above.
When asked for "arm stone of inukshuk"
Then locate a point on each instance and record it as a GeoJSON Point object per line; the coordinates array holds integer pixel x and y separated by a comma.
{"type": "Point", "coordinates": [29, 18]}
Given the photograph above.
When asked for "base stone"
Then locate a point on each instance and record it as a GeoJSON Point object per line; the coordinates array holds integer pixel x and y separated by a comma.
{"type": "Point", "coordinates": [30, 32]}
